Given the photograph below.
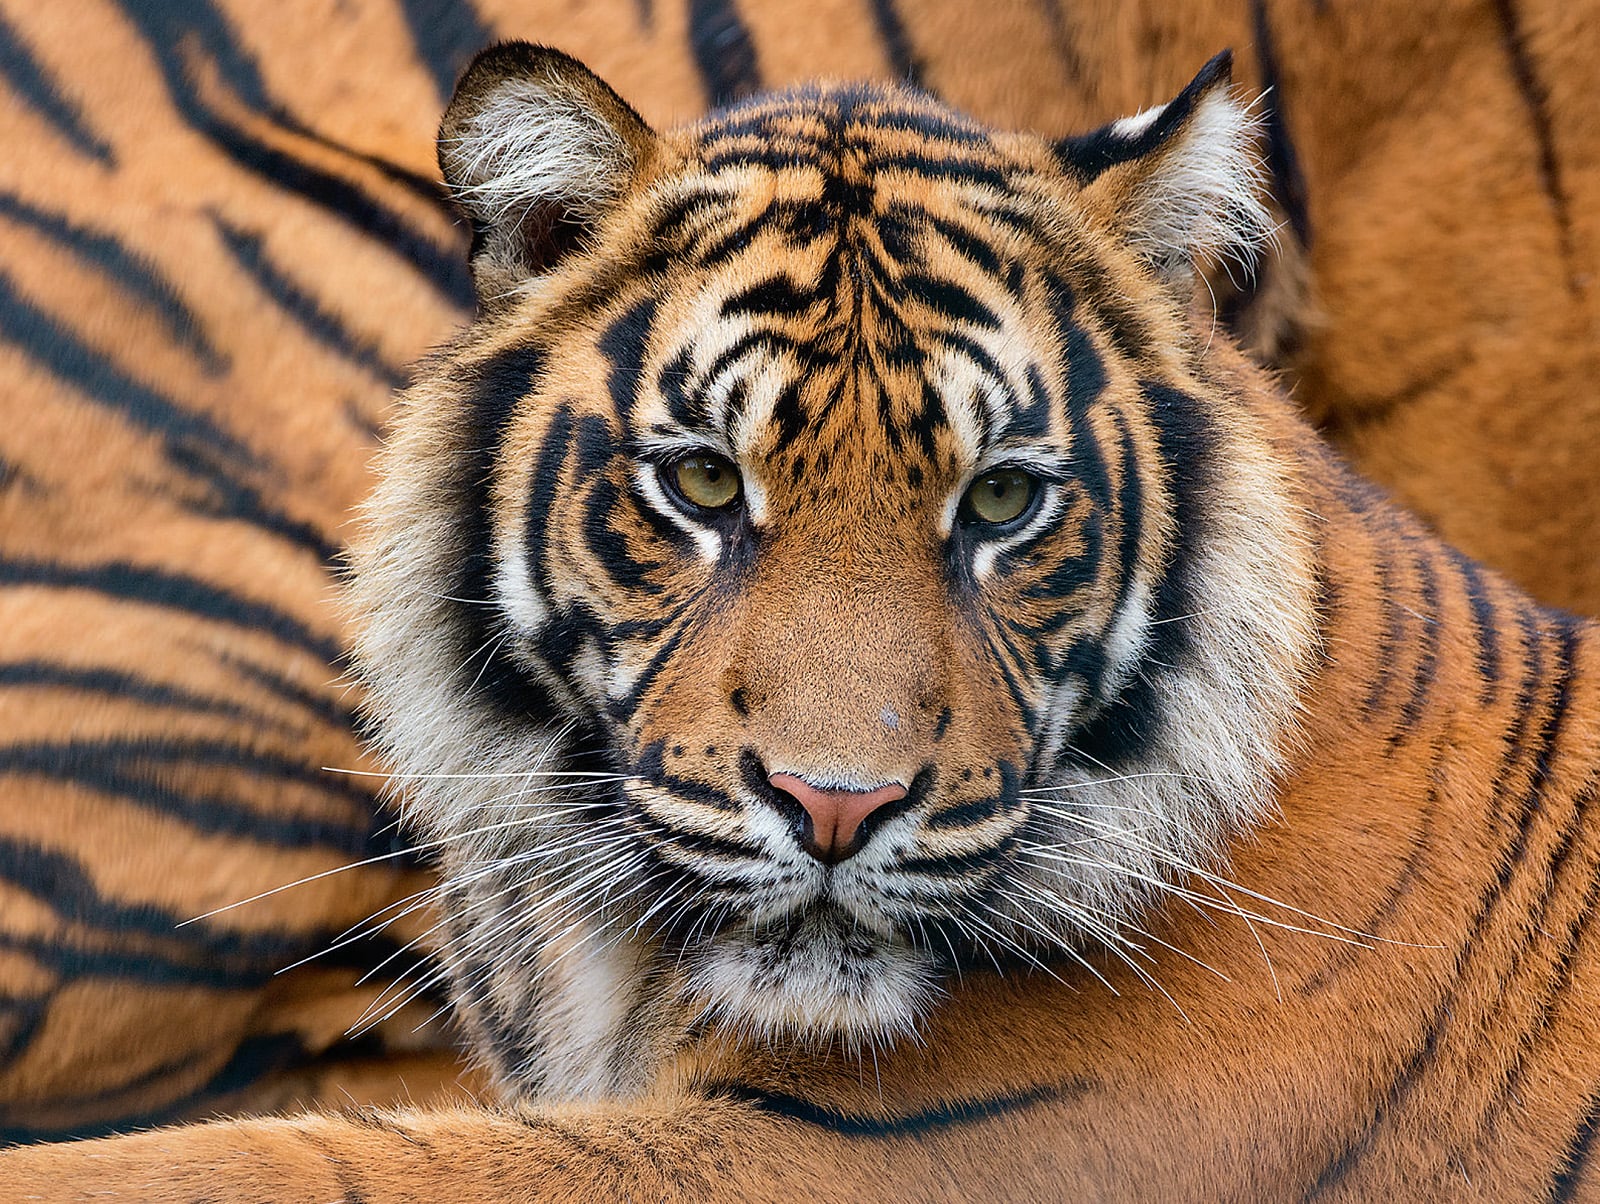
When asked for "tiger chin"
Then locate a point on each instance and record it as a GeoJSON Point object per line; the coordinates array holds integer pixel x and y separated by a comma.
{"type": "Point", "coordinates": [810, 576]}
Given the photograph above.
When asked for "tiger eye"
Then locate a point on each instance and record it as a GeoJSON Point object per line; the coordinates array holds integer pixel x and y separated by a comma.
{"type": "Point", "coordinates": [710, 482]}
{"type": "Point", "coordinates": [999, 497]}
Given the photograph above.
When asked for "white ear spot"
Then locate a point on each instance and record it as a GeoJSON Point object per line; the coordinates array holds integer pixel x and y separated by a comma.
{"type": "Point", "coordinates": [1131, 127]}
{"type": "Point", "coordinates": [1202, 200]}
{"type": "Point", "coordinates": [531, 144]}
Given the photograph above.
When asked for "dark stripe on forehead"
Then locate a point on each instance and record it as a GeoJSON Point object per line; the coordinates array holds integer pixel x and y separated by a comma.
{"type": "Point", "coordinates": [848, 111]}
{"type": "Point", "coordinates": [623, 344]}
{"type": "Point", "coordinates": [687, 407]}
{"type": "Point", "coordinates": [949, 300]}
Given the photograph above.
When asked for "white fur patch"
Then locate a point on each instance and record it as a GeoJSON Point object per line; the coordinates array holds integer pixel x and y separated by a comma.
{"type": "Point", "coordinates": [535, 143]}
{"type": "Point", "coordinates": [1204, 199]}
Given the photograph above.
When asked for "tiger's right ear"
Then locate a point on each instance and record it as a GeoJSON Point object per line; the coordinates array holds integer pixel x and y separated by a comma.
{"type": "Point", "coordinates": [535, 148]}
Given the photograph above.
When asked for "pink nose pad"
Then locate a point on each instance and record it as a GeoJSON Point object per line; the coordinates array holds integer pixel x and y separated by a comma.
{"type": "Point", "coordinates": [836, 815]}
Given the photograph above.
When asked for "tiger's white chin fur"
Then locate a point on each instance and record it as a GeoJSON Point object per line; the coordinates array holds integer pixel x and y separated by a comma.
{"type": "Point", "coordinates": [818, 978]}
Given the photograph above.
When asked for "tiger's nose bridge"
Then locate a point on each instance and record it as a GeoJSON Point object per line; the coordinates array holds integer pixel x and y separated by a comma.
{"type": "Point", "coordinates": [854, 668]}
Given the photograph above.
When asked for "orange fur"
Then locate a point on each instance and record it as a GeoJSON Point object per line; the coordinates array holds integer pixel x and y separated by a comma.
{"type": "Point", "coordinates": [1472, 450]}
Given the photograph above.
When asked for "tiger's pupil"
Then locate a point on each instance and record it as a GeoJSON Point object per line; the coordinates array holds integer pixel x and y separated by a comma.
{"type": "Point", "coordinates": [710, 482]}
{"type": "Point", "coordinates": [999, 497]}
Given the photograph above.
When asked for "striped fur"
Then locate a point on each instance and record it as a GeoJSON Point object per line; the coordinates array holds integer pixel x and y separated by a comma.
{"type": "Point", "coordinates": [1375, 979]}
{"type": "Point", "coordinates": [221, 247]}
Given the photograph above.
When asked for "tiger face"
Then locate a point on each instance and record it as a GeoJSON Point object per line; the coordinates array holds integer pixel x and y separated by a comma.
{"type": "Point", "coordinates": [825, 563]}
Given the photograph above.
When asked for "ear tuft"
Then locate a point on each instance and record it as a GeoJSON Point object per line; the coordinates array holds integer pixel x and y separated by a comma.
{"type": "Point", "coordinates": [1183, 181]}
{"type": "Point", "coordinates": [535, 148]}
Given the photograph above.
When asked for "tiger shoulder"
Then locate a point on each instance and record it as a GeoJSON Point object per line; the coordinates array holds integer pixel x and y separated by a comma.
{"type": "Point", "coordinates": [909, 712]}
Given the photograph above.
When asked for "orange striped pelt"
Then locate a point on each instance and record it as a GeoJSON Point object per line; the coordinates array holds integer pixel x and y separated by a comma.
{"type": "Point", "coordinates": [903, 710]}
{"type": "Point", "coordinates": [906, 711]}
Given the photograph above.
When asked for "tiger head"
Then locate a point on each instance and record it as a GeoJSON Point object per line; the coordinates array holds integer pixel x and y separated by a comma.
{"type": "Point", "coordinates": [828, 559]}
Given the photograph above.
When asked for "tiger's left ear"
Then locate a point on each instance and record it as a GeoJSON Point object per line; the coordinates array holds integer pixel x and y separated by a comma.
{"type": "Point", "coordinates": [536, 149]}
{"type": "Point", "coordinates": [1182, 181]}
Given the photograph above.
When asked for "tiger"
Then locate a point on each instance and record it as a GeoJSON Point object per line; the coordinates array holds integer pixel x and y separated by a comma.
{"type": "Point", "coordinates": [223, 244]}
{"type": "Point", "coordinates": [908, 710]}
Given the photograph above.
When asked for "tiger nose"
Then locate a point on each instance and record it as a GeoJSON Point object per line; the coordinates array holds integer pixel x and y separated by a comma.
{"type": "Point", "coordinates": [833, 817]}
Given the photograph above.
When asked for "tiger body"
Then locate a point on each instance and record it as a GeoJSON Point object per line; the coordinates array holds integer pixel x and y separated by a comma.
{"type": "Point", "coordinates": [1282, 856]}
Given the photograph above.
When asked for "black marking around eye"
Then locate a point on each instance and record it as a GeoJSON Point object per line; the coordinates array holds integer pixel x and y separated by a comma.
{"type": "Point", "coordinates": [626, 569]}
{"type": "Point", "coordinates": [1070, 574]}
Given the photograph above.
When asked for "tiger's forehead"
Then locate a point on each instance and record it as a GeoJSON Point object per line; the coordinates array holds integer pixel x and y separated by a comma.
{"type": "Point", "coordinates": [840, 274]}
{"type": "Point", "coordinates": [845, 125]}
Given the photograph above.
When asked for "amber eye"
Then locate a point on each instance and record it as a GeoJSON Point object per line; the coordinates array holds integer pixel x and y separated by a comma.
{"type": "Point", "coordinates": [999, 497]}
{"type": "Point", "coordinates": [704, 480]}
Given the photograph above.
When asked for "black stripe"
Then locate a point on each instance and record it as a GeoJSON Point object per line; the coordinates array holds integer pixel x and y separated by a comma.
{"type": "Point", "coordinates": [723, 51]}
{"type": "Point", "coordinates": [446, 34]}
{"type": "Point", "coordinates": [1536, 99]}
{"type": "Point", "coordinates": [1427, 666]}
{"type": "Point", "coordinates": [1410, 1073]}
{"type": "Point", "coordinates": [1392, 639]}
{"type": "Point", "coordinates": [148, 773]}
{"type": "Point", "coordinates": [1569, 1175]}
{"type": "Point", "coordinates": [903, 60]}
{"type": "Point", "coordinates": [132, 273]}
{"type": "Point", "coordinates": [90, 372]}
{"type": "Point", "coordinates": [60, 882]}
{"type": "Point", "coordinates": [191, 441]}
{"type": "Point", "coordinates": [929, 1120]}
{"type": "Point", "coordinates": [131, 686]}
{"type": "Point", "coordinates": [443, 266]}
{"type": "Point", "coordinates": [1486, 621]}
{"type": "Point", "coordinates": [320, 324]}
{"type": "Point", "coordinates": [554, 449]}
{"type": "Point", "coordinates": [30, 81]}
{"type": "Point", "coordinates": [610, 545]}
{"type": "Point", "coordinates": [179, 34]}
{"type": "Point", "coordinates": [651, 767]}
{"type": "Point", "coordinates": [1283, 161]}
{"type": "Point", "coordinates": [331, 709]}
{"type": "Point", "coordinates": [493, 391]}
{"type": "Point", "coordinates": [623, 344]}
{"type": "Point", "coordinates": [159, 587]}
{"type": "Point", "coordinates": [255, 1058]}
{"type": "Point", "coordinates": [1555, 991]}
